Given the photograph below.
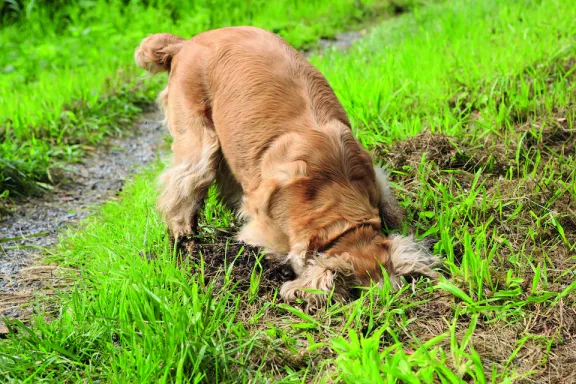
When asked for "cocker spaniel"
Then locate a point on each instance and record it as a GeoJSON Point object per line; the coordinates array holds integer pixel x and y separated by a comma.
{"type": "Point", "coordinates": [248, 111]}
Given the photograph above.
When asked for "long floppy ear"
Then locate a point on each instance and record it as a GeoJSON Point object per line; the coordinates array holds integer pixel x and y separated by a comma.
{"type": "Point", "coordinates": [258, 200]}
{"type": "Point", "coordinates": [260, 230]}
{"type": "Point", "coordinates": [405, 256]}
{"type": "Point", "coordinates": [390, 212]}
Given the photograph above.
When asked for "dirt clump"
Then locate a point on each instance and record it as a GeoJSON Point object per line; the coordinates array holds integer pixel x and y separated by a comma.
{"type": "Point", "coordinates": [522, 184]}
{"type": "Point", "coordinates": [218, 254]}
{"type": "Point", "coordinates": [446, 152]}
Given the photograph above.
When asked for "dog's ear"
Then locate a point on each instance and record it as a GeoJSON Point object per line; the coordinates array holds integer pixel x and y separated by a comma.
{"type": "Point", "coordinates": [259, 200]}
{"type": "Point", "coordinates": [384, 257]}
{"type": "Point", "coordinates": [407, 257]}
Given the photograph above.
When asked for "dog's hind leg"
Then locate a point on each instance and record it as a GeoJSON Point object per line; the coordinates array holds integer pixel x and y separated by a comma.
{"type": "Point", "coordinates": [196, 147]}
{"type": "Point", "coordinates": [185, 183]}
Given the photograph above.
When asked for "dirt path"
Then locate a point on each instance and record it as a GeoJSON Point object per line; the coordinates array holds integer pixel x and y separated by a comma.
{"type": "Point", "coordinates": [343, 41]}
{"type": "Point", "coordinates": [36, 223]}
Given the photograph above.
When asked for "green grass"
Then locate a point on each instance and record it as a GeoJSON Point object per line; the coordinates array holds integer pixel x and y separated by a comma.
{"type": "Point", "coordinates": [71, 80]}
{"type": "Point", "coordinates": [471, 105]}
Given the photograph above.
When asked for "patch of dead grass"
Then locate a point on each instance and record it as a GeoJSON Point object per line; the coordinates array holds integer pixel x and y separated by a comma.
{"type": "Point", "coordinates": [546, 335]}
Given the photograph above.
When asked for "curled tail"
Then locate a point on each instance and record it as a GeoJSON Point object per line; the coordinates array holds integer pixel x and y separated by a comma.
{"type": "Point", "coordinates": [155, 52]}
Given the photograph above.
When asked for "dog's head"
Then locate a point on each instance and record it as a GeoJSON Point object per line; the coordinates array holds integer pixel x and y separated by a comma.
{"type": "Point", "coordinates": [362, 255]}
{"type": "Point", "coordinates": [355, 258]}
{"type": "Point", "coordinates": [366, 251]}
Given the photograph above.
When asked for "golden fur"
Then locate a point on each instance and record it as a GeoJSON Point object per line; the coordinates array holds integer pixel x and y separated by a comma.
{"type": "Point", "coordinates": [248, 111]}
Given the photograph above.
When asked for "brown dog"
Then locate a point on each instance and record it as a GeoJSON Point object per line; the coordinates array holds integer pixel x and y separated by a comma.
{"type": "Point", "coordinates": [249, 111]}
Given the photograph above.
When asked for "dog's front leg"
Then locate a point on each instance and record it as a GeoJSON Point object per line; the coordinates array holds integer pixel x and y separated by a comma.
{"type": "Point", "coordinates": [315, 274]}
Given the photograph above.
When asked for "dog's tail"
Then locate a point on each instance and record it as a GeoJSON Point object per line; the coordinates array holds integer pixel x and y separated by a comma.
{"type": "Point", "coordinates": [155, 52]}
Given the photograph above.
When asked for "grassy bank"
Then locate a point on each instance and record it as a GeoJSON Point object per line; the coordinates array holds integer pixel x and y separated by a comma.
{"type": "Point", "coordinates": [475, 120]}
{"type": "Point", "coordinates": [68, 78]}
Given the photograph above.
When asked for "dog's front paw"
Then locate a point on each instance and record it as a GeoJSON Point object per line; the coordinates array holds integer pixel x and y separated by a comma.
{"type": "Point", "coordinates": [299, 289]}
{"type": "Point", "coordinates": [316, 286]}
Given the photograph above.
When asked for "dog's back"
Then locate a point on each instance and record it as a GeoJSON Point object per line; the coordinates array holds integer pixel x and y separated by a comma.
{"type": "Point", "coordinates": [251, 86]}
{"type": "Point", "coordinates": [259, 89]}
